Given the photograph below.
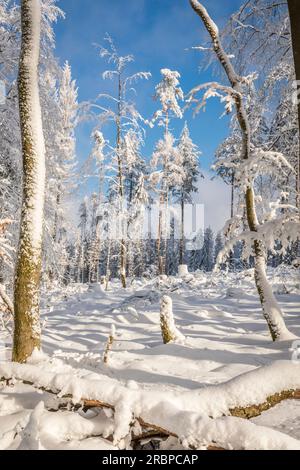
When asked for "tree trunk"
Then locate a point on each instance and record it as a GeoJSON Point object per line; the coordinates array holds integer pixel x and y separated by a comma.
{"type": "Point", "coordinates": [121, 185]}
{"type": "Point", "coordinates": [130, 242]}
{"type": "Point", "coordinates": [165, 230]}
{"type": "Point", "coordinates": [27, 329]}
{"type": "Point", "coordinates": [182, 240]}
{"type": "Point", "coordinates": [107, 274]}
{"type": "Point", "coordinates": [159, 236]}
{"type": "Point", "coordinates": [294, 11]}
{"type": "Point", "coordinates": [271, 309]}
{"type": "Point", "coordinates": [161, 245]}
{"type": "Point", "coordinates": [231, 256]}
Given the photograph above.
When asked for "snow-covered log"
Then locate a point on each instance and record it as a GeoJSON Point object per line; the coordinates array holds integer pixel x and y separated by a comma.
{"type": "Point", "coordinates": [197, 418]}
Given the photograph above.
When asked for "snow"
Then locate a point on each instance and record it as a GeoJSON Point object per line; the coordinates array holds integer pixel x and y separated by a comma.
{"type": "Point", "coordinates": [227, 360]}
{"type": "Point", "coordinates": [33, 131]}
{"type": "Point", "coordinates": [189, 414]}
{"type": "Point", "coordinates": [285, 418]}
{"type": "Point", "coordinates": [107, 344]}
{"type": "Point", "coordinates": [41, 429]}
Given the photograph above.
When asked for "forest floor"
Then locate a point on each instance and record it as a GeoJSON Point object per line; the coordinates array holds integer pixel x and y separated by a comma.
{"type": "Point", "coordinates": [225, 336]}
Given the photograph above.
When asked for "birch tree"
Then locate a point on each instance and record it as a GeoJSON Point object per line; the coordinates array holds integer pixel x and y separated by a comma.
{"type": "Point", "coordinates": [234, 96]}
{"type": "Point", "coordinates": [29, 260]}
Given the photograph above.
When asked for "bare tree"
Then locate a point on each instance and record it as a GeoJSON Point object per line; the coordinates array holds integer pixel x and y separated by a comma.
{"type": "Point", "coordinates": [235, 93]}
{"type": "Point", "coordinates": [28, 269]}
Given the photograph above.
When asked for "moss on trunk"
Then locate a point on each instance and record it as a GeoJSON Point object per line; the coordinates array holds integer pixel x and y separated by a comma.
{"type": "Point", "coordinates": [28, 267]}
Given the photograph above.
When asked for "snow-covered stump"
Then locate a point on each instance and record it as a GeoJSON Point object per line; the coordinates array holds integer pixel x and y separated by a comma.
{"type": "Point", "coordinates": [183, 270]}
{"type": "Point", "coordinates": [109, 344]}
{"type": "Point", "coordinates": [167, 324]}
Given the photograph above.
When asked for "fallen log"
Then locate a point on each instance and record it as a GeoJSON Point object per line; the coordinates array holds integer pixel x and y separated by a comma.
{"type": "Point", "coordinates": [252, 411]}
{"type": "Point", "coordinates": [178, 415]}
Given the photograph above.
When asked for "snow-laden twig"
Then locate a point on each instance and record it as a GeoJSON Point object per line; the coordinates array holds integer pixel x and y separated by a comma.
{"type": "Point", "coordinates": [6, 299]}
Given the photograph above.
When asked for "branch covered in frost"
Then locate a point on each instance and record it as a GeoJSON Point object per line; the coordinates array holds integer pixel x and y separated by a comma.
{"type": "Point", "coordinates": [168, 92]}
{"type": "Point", "coordinates": [284, 229]}
{"type": "Point", "coordinates": [226, 95]}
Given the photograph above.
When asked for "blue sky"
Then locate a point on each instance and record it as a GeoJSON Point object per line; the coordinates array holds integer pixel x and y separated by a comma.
{"type": "Point", "coordinates": [157, 33]}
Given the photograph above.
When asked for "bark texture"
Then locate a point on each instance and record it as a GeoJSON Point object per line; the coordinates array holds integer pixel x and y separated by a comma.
{"type": "Point", "coordinates": [29, 259]}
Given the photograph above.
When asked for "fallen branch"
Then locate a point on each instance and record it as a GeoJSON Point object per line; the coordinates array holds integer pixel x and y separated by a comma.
{"type": "Point", "coordinates": [6, 299]}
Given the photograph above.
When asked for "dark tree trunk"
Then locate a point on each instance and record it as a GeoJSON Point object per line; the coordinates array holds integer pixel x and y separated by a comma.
{"type": "Point", "coordinates": [294, 10]}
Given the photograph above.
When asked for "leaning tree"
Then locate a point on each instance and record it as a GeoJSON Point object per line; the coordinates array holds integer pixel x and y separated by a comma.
{"type": "Point", "coordinates": [251, 158]}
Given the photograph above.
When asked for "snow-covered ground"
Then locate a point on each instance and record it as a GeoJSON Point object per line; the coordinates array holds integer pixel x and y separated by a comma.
{"type": "Point", "coordinates": [225, 336]}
